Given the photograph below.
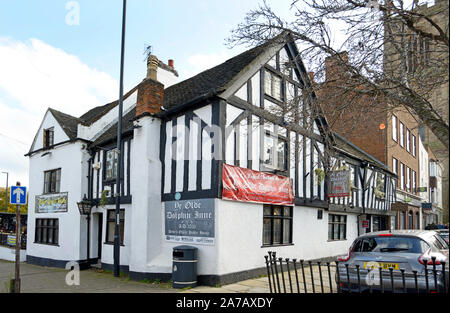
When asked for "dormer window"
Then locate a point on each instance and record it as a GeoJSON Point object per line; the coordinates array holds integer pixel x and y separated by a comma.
{"type": "Point", "coordinates": [48, 137]}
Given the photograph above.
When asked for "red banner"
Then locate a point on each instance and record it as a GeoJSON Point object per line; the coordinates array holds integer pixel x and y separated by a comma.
{"type": "Point", "coordinates": [242, 184]}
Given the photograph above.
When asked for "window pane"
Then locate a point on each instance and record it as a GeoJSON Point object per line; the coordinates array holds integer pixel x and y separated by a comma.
{"type": "Point", "coordinates": [268, 150]}
{"type": "Point", "coordinates": [44, 232]}
{"type": "Point", "coordinates": [277, 231]}
{"type": "Point", "coordinates": [287, 211]}
{"type": "Point", "coordinates": [342, 228]}
{"type": "Point", "coordinates": [287, 231]}
{"type": "Point", "coordinates": [267, 210]}
{"type": "Point", "coordinates": [122, 231]}
{"type": "Point", "coordinates": [276, 87]}
{"type": "Point", "coordinates": [111, 229]}
{"type": "Point", "coordinates": [58, 180]}
{"type": "Point", "coordinates": [56, 234]}
{"type": "Point", "coordinates": [330, 231]}
{"type": "Point", "coordinates": [394, 128]}
{"type": "Point", "coordinates": [281, 154]}
{"type": "Point", "coordinates": [267, 83]}
{"type": "Point", "coordinates": [335, 231]}
{"type": "Point", "coordinates": [277, 211]}
{"type": "Point", "coordinates": [266, 231]}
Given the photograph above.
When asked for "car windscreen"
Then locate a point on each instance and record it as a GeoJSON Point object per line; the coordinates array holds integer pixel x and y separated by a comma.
{"type": "Point", "coordinates": [393, 244]}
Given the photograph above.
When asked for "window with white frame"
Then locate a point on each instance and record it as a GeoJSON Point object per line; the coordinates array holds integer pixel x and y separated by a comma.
{"type": "Point", "coordinates": [414, 181]}
{"type": "Point", "coordinates": [272, 85]}
{"type": "Point", "coordinates": [408, 143]}
{"type": "Point", "coordinates": [413, 143]}
{"type": "Point", "coordinates": [432, 169]}
{"type": "Point", "coordinates": [275, 151]}
{"type": "Point", "coordinates": [395, 165]}
{"type": "Point", "coordinates": [402, 176]}
{"type": "Point", "coordinates": [408, 179]}
{"type": "Point", "coordinates": [402, 135]}
{"type": "Point", "coordinates": [394, 128]}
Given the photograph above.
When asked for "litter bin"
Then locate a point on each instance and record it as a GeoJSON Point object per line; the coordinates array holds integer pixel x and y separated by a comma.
{"type": "Point", "coordinates": [184, 268]}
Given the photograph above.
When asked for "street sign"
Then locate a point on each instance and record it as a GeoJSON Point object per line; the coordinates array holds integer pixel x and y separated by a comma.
{"type": "Point", "coordinates": [18, 195]}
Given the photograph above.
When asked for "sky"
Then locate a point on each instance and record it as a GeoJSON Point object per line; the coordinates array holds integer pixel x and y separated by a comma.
{"type": "Point", "coordinates": [66, 55]}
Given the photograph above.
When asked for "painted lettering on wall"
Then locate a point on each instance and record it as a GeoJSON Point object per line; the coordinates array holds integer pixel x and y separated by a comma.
{"type": "Point", "coordinates": [190, 221]}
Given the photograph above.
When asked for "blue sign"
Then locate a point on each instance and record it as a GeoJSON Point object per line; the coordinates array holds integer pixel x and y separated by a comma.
{"type": "Point", "coordinates": [18, 195]}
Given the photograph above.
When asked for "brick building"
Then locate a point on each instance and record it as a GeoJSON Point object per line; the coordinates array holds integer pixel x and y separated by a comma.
{"type": "Point", "coordinates": [390, 135]}
{"type": "Point", "coordinates": [425, 64]}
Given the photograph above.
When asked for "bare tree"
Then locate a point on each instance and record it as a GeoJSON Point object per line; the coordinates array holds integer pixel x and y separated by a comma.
{"type": "Point", "coordinates": [397, 52]}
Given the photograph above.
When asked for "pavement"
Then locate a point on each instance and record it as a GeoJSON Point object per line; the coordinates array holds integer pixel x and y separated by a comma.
{"type": "Point", "coordinates": [41, 279]}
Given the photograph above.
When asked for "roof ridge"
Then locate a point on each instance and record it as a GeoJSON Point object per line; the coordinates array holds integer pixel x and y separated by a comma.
{"type": "Point", "coordinates": [60, 112]}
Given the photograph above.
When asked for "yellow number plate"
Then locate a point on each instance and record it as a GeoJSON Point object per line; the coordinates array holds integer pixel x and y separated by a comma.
{"type": "Point", "coordinates": [385, 266]}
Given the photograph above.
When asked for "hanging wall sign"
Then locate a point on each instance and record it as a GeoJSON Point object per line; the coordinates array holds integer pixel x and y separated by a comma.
{"type": "Point", "coordinates": [242, 184]}
{"type": "Point", "coordinates": [190, 221]}
{"type": "Point", "coordinates": [339, 184]}
{"type": "Point", "coordinates": [52, 203]}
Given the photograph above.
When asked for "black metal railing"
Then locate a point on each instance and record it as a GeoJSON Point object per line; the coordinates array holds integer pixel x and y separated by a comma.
{"type": "Point", "coordinates": [4, 241]}
{"type": "Point", "coordinates": [300, 276]}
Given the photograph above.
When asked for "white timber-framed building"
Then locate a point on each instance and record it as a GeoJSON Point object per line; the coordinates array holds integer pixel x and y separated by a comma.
{"type": "Point", "coordinates": [177, 138]}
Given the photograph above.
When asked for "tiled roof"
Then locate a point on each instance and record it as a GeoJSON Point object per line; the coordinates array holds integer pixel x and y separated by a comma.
{"type": "Point", "coordinates": [111, 133]}
{"type": "Point", "coordinates": [212, 81]}
{"type": "Point", "coordinates": [96, 113]}
{"type": "Point", "coordinates": [68, 123]}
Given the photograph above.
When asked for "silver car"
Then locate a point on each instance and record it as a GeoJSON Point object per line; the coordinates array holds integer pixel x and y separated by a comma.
{"type": "Point", "coordinates": [443, 233]}
{"type": "Point", "coordinates": [394, 252]}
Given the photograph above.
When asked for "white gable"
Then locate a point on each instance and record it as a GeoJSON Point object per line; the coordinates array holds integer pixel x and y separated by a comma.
{"type": "Point", "coordinates": [48, 122]}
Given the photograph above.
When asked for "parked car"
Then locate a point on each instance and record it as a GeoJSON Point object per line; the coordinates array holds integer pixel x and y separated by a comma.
{"type": "Point", "coordinates": [443, 233]}
{"type": "Point", "coordinates": [408, 250]}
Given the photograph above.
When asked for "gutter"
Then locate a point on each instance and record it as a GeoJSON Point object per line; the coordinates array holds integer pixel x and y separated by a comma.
{"type": "Point", "coordinates": [58, 144]}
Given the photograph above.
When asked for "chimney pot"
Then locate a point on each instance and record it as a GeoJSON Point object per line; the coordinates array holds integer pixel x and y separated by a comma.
{"type": "Point", "coordinates": [171, 63]}
{"type": "Point", "coordinates": [152, 67]}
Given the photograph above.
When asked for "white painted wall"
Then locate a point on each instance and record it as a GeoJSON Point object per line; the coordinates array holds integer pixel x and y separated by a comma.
{"type": "Point", "coordinates": [9, 254]}
{"type": "Point", "coordinates": [242, 223]}
{"type": "Point", "coordinates": [58, 136]}
{"type": "Point", "coordinates": [72, 161]}
{"type": "Point", "coordinates": [146, 229]}
{"type": "Point", "coordinates": [107, 248]}
{"type": "Point", "coordinates": [167, 78]}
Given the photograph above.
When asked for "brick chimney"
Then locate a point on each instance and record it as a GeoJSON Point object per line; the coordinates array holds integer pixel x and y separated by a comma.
{"type": "Point", "coordinates": [171, 63]}
{"type": "Point", "coordinates": [335, 66]}
{"type": "Point", "coordinates": [150, 95]}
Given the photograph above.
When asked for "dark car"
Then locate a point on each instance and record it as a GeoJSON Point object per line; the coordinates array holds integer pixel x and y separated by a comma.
{"type": "Point", "coordinates": [400, 250]}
